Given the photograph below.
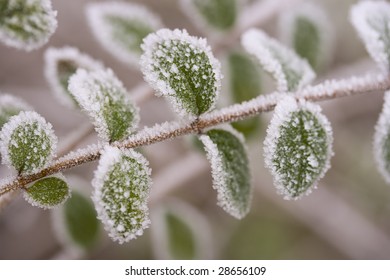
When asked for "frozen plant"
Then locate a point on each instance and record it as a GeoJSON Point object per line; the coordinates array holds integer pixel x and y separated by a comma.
{"type": "Point", "coordinates": [185, 70]}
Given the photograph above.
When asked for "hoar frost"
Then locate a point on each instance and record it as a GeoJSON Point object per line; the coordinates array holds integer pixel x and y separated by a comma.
{"type": "Point", "coordinates": [10, 106]}
{"type": "Point", "coordinates": [121, 190]}
{"type": "Point", "coordinates": [298, 147]}
{"type": "Point", "coordinates": [182, 68]}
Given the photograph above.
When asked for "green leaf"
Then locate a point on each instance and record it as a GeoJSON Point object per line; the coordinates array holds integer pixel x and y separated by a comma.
{"type": "Point", "coordinates": [245, 84]}
{"type": "Point", "coordinates": [218, 14]}
{"type": "Point", "coordinates": [120, 28]}
{"type": "Point", "coordinates": [308, 30]}
{"type": "Point", "coordinates": [105, 100]}
{"type": "Point", "coordinates": [26, 24]}
{"type": "Point", "coordinates": [27, 143]}
{"type": "Point", "coordinates": [298, 147]}
{"type": "Point", "coordinates": [60, 65]}
{"type": "Point", "coordinates": [179, 231]}
{"type": "Point", "coordinates": [371, 21]}
{"type": "Point", "coordinates": [290, 71]}
{"type": "Point", "coordinates": [183, 69]}
{"type": "Point", "coordinates": [11, 106]}
{"type": "Point", "coordinates": [230, 169]}
{"type": "Point", "coordinates": [121, 189]}
{"type": "Point", "coordinates": [48, 192]}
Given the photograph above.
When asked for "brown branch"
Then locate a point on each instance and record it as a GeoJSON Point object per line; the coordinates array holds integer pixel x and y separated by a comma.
{"type": "Point", "coordinates": [161, 132]}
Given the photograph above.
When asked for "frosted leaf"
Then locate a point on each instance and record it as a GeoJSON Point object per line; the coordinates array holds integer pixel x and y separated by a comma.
{"type": "Point", "coordinates": [217, 14]}
{"type": "Point", "coordinates": [298, 147]}
{"type": "Point", "coordinates": [105, 100]}
{"type": "Point", "coordinates": [120, 27]}
{"type": "Point", "coordinates": [48, 192]}
{"type": "Point", "coordinates": [230, 170]}
{"type": "Point", "coordinates": [60, 65]}
{"type": "Point", "coordinates": [372, 22]}
{"type": "Point", "coordinates": [11, 106]}
{"type": "Point", "coordinates": [245, 84]}
{"type": "Point", "coordinates": [75, 223]}
{"type": "Point", "coordinates": [121, 189]}
{"type": "Point", "coordinates": [307, 29]}
{"type": "Point", "coordinates": [26, 24]}
{"type": "Point", "coordinates": [183, 69]}
{"type": "Point", "coordinates": [179, 231]}
{"type": "Point", "coordinates": [290, 71]}
{"type": "Point", "coordinates": [27, 143]}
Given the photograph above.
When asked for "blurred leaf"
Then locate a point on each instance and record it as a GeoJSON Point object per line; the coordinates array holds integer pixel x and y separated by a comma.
{"type": "Point", "coordinates": [245, 84]}
{"type": "Point", "coordinates": [120, 28]}
{"type": "Point", "coordinates": [48, 192]}
{"type": "Point", "coordinates": [181, 240]}
{"type": "Point", "coordinates": [11, 106]}
{"type": "Point", "coordinates": [298, 147]}
{"type": "Point", "coordinates": [290, 71]}
{"type": "Point", "coordinates": [27, 142]}
{"type": "Point", "coordinates": [121, 189]}
{"type": "Point", "coordinates": [106, 102]}
{"type": "Point", "coordinates": [26, 24]}
{"type": "Point", "coordinates": [230, 170]}
{"type": "Point", "coordinates": [182, 68]}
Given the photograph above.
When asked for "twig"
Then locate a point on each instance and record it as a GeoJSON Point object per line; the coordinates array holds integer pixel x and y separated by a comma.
{"type": "Point", "coordinates": [158, 133]}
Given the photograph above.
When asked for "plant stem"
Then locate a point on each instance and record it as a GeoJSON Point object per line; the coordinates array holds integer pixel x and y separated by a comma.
{"type": "Point", "coordinates": [327, 90]}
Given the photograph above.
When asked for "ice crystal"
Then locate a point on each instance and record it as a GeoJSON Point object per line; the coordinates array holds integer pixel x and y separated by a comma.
{"type": "Point", "coordinates": [106, 101]}
{"type": "Point", "coordinates": [121, 189]}
{"type": "Point", "coordinates": [27, 142]}
{"type": "Point", "coordinates": [26, 24]}
{"type": "Point", "coordinates": [11, 106]}
{"type": "Point", "coordinates": [298, 147]}
{"type": "Point", "coordinates": [372, 22]}
{"type": "Point", "coordinates": [307, 29]}
{"type": "Point", "coordinates": [217, 14]}
{"type": "Point", "coordinates": [182, 68]}
{"type": "Point", "coordinates": [290, 71]}
{"type": "Point", "coordinates": [60, 65]}
{"type": "Point", "coordinates": [48, 192]}
{"type": "Point", "coordinates": [120, 28]}
{"type": "Point", "coordinates": [230, 170]}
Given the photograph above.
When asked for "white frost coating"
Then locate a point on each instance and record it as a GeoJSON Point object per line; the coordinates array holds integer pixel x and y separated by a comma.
{"type": "Point", "coordinates": [54, 56]}
{"type": "Point", "coordinates": [188, 215]}
{"type": "Point", "coordinates": [273, 56]}
{"type": "Point", "coordinates": [35, 203]}
{"type": "Point", "coordinates": [109, 158]}
{"type": "Point", "coordinates": [220, 175]}
{"type": "Point", "coordinates": [382, 131]}
{"type": "Point", "coordinates": [10, 102]}
{"type": "Point", "coordinates": [149, 63]}
{"type": "Point", "coordinates": [282, 114]}
{"type": "Point", "coordinates": [87, 88]}
{"type": "Point", "coordinates": [316, 15]}
{"type": "Point", "coordinates": [96, 15]}
{"type": "Point", "coordinates": [10, 39]}
{"type": "Point", "coordinates": [26, 118]}
{"type": "Point", "coordinates": [372, 21]}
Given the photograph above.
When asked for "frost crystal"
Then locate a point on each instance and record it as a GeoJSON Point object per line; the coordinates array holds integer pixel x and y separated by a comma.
{"type": "Point", "coordinates": [307, 29]}
{"type": "Point", "coordinates": [26, 24]}
{"type": "Point", "coordinates": [218, 14]}
{"type": "Point", "coordinates": [372, 22]}
{"type": "Point", "coordinates": [11, 106]}
{"type": "Point", "coordinates": [382, 140]}
{"type": "Point", "coordinates": [120, 27]}
{"type": "Point", "coordinates": [60, 65]}
{"type": "Point", "coordinates": [121, 190]}
{"type": "Point", "coordinates": [182, 68]}
{"type": "Point", "coordinates": [298, 147]}
{"type": "Point", "coordinates": [48, 192]}
{"type": "Point", "coordinates": [230, 170]}
{"type": "Point", "coordinates": [106, 101]}
{"type": "Point", "coordinates": [27, 143]}
{"type": "Point", "coordinates": [290, 71]}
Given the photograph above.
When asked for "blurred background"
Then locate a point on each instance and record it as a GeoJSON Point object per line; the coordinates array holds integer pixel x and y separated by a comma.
{"type": "Point", "coordinates": [347, 217]}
